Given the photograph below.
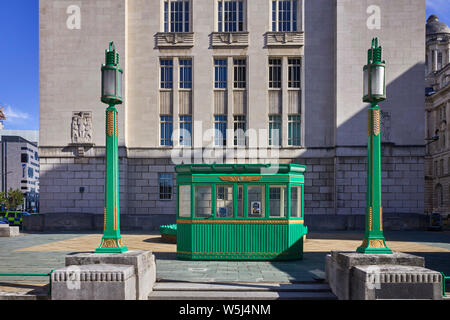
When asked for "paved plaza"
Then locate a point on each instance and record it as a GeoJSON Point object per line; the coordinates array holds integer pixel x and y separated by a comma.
{"type": "Point", "coordinates": [41, 252]}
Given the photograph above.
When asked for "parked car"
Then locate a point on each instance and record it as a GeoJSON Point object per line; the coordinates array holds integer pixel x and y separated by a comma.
{"type": "Point", "coordinates": [13, 218]}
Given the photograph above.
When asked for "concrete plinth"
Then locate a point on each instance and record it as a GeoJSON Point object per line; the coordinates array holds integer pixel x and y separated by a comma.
{"type": "Point", "coordinates": [395, 282]}
{"type": "Point", "coordinates": [142, 261]}
{"type": "Point", "coordinates": [94, 282]}
{"type": "Point", "coordinates": [8, 231]}
{"type": "Point", "coordinates": [339, 267]}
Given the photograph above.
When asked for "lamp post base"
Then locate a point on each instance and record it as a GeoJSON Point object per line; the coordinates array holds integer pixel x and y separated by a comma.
{"type": "Point", "coordinates": [374, 245]}
{"type": "Point", "coordinates": [111, 245]}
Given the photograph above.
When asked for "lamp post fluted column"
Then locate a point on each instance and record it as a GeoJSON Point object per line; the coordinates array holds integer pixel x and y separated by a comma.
{"type": "Point", "coordinates": [374, 92]}
{"type": "Point", "coordinates": [111, 95]}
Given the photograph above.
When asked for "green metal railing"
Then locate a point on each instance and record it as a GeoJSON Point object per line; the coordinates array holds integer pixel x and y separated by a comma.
{"type": "Point", "coordinates": [31, 274]}
{"type": "Point", "coordinates": [444, 279]}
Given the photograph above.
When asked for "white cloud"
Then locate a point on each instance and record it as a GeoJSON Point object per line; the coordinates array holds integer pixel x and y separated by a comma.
{"type": "Point", "coordinates": [13, 114]}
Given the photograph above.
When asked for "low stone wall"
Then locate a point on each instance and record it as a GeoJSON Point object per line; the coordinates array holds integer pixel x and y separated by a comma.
{"type": "Point", "coordinates": [137, 222]}
{"type": "Point", "coordinates": [87, 222]}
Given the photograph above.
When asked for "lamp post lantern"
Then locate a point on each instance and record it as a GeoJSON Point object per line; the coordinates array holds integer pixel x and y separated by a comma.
{"type": "Point", "coordinates": [112, 77]}
{"type": "Point", "coordinates": [374, 92]}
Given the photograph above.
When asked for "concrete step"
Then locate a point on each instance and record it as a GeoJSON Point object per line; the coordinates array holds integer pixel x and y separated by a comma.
{"type": "Point", "coordinates": [4, 295]}
{"type": "Point", "coordinates": [239, 295]}
{"type": "Point", "coordinates": [234, 286]}
{"type": "Point", "coordinates": [240, 291]}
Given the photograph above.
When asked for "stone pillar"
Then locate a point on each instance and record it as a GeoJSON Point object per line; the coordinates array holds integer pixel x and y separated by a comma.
{"type": "Point", "coordinates": [99, 276]}
{"type": "Point", "coordinates": [435, 60]}
{"type": "Point", "coordinates": [355, 276]}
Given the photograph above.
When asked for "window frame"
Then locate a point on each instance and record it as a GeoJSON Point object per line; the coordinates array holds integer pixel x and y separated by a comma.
{"type": "Point", "coordinates": [163, 133]}
{"type": "Point", "coordinates": [239, 120]}
{"type": "Point", "coordinates": [184, 84]}
{"type": "Point", "coordinates": [186, 17]}
{"type": "Point", "coordinates": [166, 71]}
{"type": "Point", "coordinates": [184, 122]}
{"type": "Point", "coordinates": [291, 22]}
{"type": "Point", "coordinates": [275, 73]}
{"type": "Point", "coordinates": [231, 25]}
{"type": "Point", "coordinates": [271, 123]}
{"type": "Point", "coordinates": [221, 125]}
{"type": "Point", "coordinates": [168, 178]}
{"type": "Point", "coordinates": [220, 73]}
{"type": "Point", "coordinates": [292, 123]}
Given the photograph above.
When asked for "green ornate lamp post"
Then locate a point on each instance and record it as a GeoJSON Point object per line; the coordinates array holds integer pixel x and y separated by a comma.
{"type": "Point", "coordinates": [374, 92]}
{"type": "Point", "coordinates": [111, 95]}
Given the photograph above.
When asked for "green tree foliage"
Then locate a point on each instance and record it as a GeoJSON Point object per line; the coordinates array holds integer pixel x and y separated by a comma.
{"type": "Point", "coordinates": [11, 200]}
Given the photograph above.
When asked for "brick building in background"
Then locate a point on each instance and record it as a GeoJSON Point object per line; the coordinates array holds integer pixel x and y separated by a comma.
{"type": "Point", "coordinates": [292, 65]}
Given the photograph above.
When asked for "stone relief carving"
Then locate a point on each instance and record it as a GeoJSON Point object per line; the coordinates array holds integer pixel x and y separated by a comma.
{"type": "Point", "coordinates": [385, 126]}
{"type": "Point", "coordinates": [82, 127]}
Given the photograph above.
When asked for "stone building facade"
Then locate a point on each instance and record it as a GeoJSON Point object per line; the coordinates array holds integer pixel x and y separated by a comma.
{"type": "Point", "coordinates": [19, 164]}
{"type": "Point", "coordinates": [256, 65]}
{"type": "Point", "coordinates": [437, 175]}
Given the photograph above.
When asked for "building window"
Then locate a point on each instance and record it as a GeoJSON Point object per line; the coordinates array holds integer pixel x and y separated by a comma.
{"type": "Point", "coordinates": [240, 73]}
{"type": "Point", "coordinates": [294, 73]}
{"type": "Point", "coordinates": [275, 130]}
{"type": "Point", "coordinates": [294, 126]}
{"type": "Point", "coordinates": [240, 127]}
{"type": "Point", "coordinates": [230, 15]}
{"type": "Point", "coordinates": [185, 74]}
{"type": "Point", "coordinates": [30, 173]}
{"type": "Point", "coordinates": [441, 167]}
{"type": "Point", "coordinates": [220, 126]}
{"type": "Point", "coordinates": [186, 130]}
{"type": "Point", "coordinates": [166, 74]}
{"type": "Point", "coordinates": [165, 186]}
{"type": "Point", "coordinates": [220, 73]}
{"type": "Point", "coordinates": [439, 196]}
{"type": "Point", "coordinates": [275, 73]}
{"type": "Point", "coordinates": [24, 158]}
{"type": "Point", "coordinates": [284, 15]}
{"type": "Point", "coordinates": [166, 130]}
{"type": "Point", "coordinates": [439, 61]}
{"type": "Point", "coordinates": [176, 16]}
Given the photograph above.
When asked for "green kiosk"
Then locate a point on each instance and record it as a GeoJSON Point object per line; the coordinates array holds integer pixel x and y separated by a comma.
{"type": "Point", "coordinates": [240, 212]}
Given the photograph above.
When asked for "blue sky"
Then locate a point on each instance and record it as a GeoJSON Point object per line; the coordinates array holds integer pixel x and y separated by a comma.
{"type": "Point", "coordinates": [19, 59]}
{"type": "Point", "coordinates": [19, 63]}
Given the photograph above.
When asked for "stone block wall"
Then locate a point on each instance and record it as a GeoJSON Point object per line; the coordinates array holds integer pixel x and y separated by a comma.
{"type": "Point", "coordinates": [334, 187]}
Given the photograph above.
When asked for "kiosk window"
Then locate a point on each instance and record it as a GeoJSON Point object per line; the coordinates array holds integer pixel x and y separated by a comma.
{"type": "Point", "coordinates": [296, 201]}
{"type": "Point", "coordinates": [256, 196]}
{"type": "Point", "coordinates": [185, 201]}
{"type": "Point", "coordinates": [224, 201]}
{"type": "Point", "coordinates": [278, 201]}
{"type": "Point", "coordinates": [202, 201]}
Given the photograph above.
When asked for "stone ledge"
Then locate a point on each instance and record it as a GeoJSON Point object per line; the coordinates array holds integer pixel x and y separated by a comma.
{"type": "Point", "coordinates": [397, 274]}
{"type": "Point", "coordinates": [94, 282]}
{"type": "Point", "coordinates": [142, 262]}
{"type": "Point", "coordinates": [351, 259]}
{"type": "Point", "coordinates": [385, 282]}
{"type": "Point", "coordinates": [94, 272]}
